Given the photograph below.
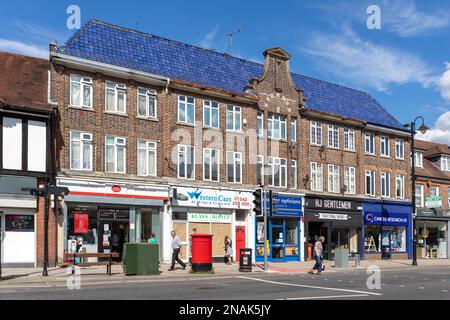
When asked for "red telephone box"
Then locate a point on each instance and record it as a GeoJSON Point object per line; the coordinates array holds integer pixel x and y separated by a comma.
{"type": "Point", "coordinates": [240, 240]}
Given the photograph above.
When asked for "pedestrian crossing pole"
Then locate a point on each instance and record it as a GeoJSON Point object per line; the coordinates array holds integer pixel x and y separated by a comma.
{"type": "Point", "coordinates": [265, 228]}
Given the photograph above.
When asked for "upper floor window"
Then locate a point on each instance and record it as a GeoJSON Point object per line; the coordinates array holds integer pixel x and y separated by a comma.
{"type": "Point", "coordinates": [333, 178]}
{"type": "Point", "coordinates": [350, 180]}
{"type": "Point", "coordinates": [234, 167]}
{"type": "Point", "coordinates": [80, 91]}
{"type": "Point", "coordinates": [445, 163]}
{"type": "Point", "coordinates": [186, 162]}
{"type": "Point", "coordinates": [211, 114]}
{"type": "Point", "coordinates": [316, 176]}
{"type": "Point", "coordinates": [293, 174]}
{"type": "Point", "coordinates": [370, 182]}
{"type": "Point", "coordinates": [399, 149]}
{"type": "Point", "coordinates": [349, 139]}
{"type": "Point", "coordinates": [147, 103]}
{"type": "Point", "coordinates": [276, 127]}
{"type": "Point", "coordinates": [147, 158]}
{"type": "Point", "coordinates": [385, 146]}
{"type": "Point", "coordinates": [260, 124]}
{"type": "Point", "coordinates": [293, 132]}
{"type": "Point", "coordinates": [186, 109]}
{"type": "Point", "coordinates": [420, 197]}
{"type": "Point", "coordinates": [234, 118]}
{"type": "Point", "coordinates": [80, 150]}
{"type": "Point", "coordinates": [333, 136]}
{"type": "Point", "coordinates": [369, 143]}
{"type": "Point", "coordinates": [116, 97]}
{"type": "Point", "coordinates": [316, 133]}
{"type": "Point", "coordinates": [385, 185]}
{"type": "Point", "coordinates": [211, 164]}
{"type": "Point", "coordinates": [400, 186]}
{"type": "Point", "coordinates": [418, 159]}
{"type": "Point", "coordinates": [115, 154]}
{"type": "Point", "coordinates": [277, 172]}
{"type": "Point", "coordinates": [434, 191]}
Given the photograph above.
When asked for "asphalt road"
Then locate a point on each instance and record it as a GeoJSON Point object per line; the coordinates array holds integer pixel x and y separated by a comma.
{"type": "Point", "coordinates": [418, 284]}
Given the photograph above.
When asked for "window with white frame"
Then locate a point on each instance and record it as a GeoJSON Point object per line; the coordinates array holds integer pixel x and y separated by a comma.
{"type": "Point", "coordinates": [293, 132]}
{"type": "Point", "coordinates": [369, 143]}
{"type": "Point", "coordinates": [333, 136]}
{"type": "Point", "coordinates": [385, 150]}
{"type": "Point", "coordinates": [445, 163]}
{"type": "Point", "coordinates": [420, 197]}
{"type": "Point", "coordinates": [211, 114]}
{"type": "Point", "coordinates": [234, 167]}
{"type": "Point", "coordinates": [385, 184]}
{"type": "Point", "coordinates": [186, 162]}
{"type": "Point", "coordinates": [276, 127]}
{"type": "Point", "coordinates": [349, 139]}
{"type": "Point", "coordinates": [316, 176]}
{"type": "Point", "coordinates": [333, 178]}
{"type": "Point", "coordinates": [399, 149]}
{"type": "Point", "coordinates": [418, 159]}
{"type": "Point", "coordinates": [116, 97]}
{"type": "Point", "coordinates": [147, 103]}
{"type": "Point", "coordinates": [277, 172]}
{"type": "Point", "coordinates": [400, 186]}
{"type": "Point", "coordinates": [115, 154]}
{"type": "Point", "coordinates": [434, 191]}
{"type": "Point", "coordinates": [370, 182]}
{"type": "Point", "coordinates": [186, 109]}
{"type": "Point", "coordinates": [350, 180]}
{"type": "Point", "coordinates": [316, 133]}
{"type": "Point", "coordinates": [211, 164]}
{"type": "Point", "coordinates": [147, 158]}
{"type": "Point", "coordinates": [234, 118]}
{"type": "Point", "coordinates": [260, 124]}
{"type": "Point", "coordinates": [80, 151]}
{"type": "Point", "coordinates": [260, 170]}
{"type": "Point", "coordinates": [80, 91]}
{"type": "Point", "coordinates": [293, 174]}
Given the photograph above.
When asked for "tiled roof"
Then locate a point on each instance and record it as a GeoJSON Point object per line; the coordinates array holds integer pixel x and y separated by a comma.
{"type": "Point", "coordinates": [105, 43]}
{"type": "Point", "coordinates": [23, 81]}
{"type": "Point", "coordinates": [430, 150]}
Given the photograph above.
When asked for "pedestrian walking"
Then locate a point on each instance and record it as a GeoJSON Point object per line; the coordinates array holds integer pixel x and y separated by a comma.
{"type": "Point", "coordinates": [318, 257]}
{"type": "Point", "coordinates": [176, 250]}
{"type": "Point", "coordinates": [228, 250]}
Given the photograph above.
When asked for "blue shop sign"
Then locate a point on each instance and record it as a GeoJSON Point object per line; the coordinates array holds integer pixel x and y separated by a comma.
{"type": "Point", "coordinates": [287, 206]}
{"type": "Point", "coordinates": [387, 219]}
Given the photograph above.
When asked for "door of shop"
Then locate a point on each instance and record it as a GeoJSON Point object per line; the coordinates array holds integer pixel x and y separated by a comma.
{"type": "Point", "coordinates": [240, 240]}
{"type": "Point", "coordinates": [277, 234]}
{"type": "Point", "coordinates": [113, 230]}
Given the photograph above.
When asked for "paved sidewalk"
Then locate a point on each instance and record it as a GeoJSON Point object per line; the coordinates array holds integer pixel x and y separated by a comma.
{"type": "Point", "coordinates": [11, 277]}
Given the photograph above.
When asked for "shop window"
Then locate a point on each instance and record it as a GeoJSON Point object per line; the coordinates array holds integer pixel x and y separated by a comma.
{"type": "Point", "coordinates": [148, 223]}
{"type": "Point", "coordinates": [292, 237]}
{"type": "Point", "coordinates": [78, 238]}
{"type": "Point", "coordinates": [384, 240]}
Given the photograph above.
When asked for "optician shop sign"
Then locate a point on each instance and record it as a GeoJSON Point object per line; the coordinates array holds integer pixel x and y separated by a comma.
{"type": "Point", "coordinates": [209, 198]}
{"type": "Point", "coordinates": [386, 219]}
{"type": "Point", "coordinates": [287, 206]}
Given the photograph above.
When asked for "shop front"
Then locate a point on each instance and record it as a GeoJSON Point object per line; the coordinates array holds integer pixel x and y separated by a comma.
{"type": "Point", "coordinates": [387, 230]}
{"type": "Point", "coordinates": [221, 213]}
{"type": "Point", "coordinates": [102, 216]}
{"type": "Point", "coordinates": [338, 220]}
{"type": "Point", "coordinates": [284, 230]}
{"type": "Point", "coordinates": [432, 230]}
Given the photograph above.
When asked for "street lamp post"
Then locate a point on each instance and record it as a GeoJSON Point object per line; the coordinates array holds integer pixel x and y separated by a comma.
{"type": "Point", "coordinates": [423, 129]}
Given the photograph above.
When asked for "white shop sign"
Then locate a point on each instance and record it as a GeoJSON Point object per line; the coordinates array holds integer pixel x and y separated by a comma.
{"type": "Point", "coordinates": [209, 217]}
{"type": "Point", "coordinates": [209, 198]}
{"type": "Point", "coordinates": [333, 216]}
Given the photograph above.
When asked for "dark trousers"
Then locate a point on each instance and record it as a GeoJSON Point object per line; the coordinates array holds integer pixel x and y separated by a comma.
{"type": "Point", "coordinates": [175, 254]}
{"type": "Point", "coordinates": [318, 265]}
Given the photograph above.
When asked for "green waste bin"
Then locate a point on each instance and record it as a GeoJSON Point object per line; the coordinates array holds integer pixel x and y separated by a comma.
{"type": "Point", "coordinates": [141, 259]}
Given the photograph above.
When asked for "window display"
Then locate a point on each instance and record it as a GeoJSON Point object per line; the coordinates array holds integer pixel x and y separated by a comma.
{"type": "Point", "coordinates": [432, 242]}
{"type": "Point", "coordinates": [384, 239]}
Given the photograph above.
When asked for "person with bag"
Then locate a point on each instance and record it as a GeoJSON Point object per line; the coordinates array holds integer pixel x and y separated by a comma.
{"type": "Point", "coordinates": [318, 257]}
{"type": "Point", "coordinates": [228, 251]}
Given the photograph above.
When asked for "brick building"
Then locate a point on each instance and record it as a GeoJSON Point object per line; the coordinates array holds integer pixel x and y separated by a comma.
{"type": "Point", "coordinates": [157, 135]}
{"type": "Point", "coordinates": [432, 198]}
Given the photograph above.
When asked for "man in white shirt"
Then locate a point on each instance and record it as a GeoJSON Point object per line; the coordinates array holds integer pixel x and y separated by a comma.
{"type": "Point", "coordinates": [176, 247]}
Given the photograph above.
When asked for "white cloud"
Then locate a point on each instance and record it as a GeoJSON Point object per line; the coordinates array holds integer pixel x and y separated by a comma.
{"type": "Point", "coordinates": [440, 132]}
{"type": "Point", "coordinates": [23, 48]}
{"type": "Point", "coordinates": [444, 84]}
{"type": "Point", "coordinates": [208, 39]}
{"type": "Point", "coordinates": [366, 63]}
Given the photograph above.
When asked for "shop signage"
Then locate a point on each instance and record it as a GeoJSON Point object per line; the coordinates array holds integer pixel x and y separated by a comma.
{"type": "Point", "coordinates": [426, 213]}
{"type": "Point", "coordinates": [443, 213]}
{"type": "Point", "coordinates": [209, 198]}
{"type": "Point", "coordinates": [81, 223]}
{"type": "Point", "coordinates": [287, 206]}
{"type": "Point", "coordinates": [331, 204]}
{"type": "Point", "coordinates": [333, 216]}
{"type": "Point", "coordinates": [378, 218]}
{"type": "Point", "coordinates": [209, 217]}
{"type": "Point", "coordinates": [19, 223]}
{"type": "Point", "coordinates": [433, 202]}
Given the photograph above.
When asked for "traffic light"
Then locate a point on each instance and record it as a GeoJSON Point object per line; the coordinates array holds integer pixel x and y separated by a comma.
{"type": "Point", "coordinates": [258, 202]}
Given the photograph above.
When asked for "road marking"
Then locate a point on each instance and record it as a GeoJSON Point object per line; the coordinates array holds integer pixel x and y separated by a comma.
{"type": "Point", "coordinates": [26, 286]}
{"type": "Point", "coordinates": [311, 287]}
{"type": "Point", "coordinates": [444, 291]}
{"type": "Point", "coordinates": [327, 297]}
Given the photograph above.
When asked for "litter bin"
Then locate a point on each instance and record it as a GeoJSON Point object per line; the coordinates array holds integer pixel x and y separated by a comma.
{"type": "Point", "coordinates": [310, 251]}
{"type": "Point", "coordinates": [245, 260]}
{"type": "Point", "coordinates": [341, 258]}
{"type": "Point", "coordinates": [201, 252]}
{"type": "Point", "coordinates": [141, 259]}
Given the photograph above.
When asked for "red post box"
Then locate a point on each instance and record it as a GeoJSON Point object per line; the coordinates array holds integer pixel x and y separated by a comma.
{"type": "Point", "coordinates": [201, 252]}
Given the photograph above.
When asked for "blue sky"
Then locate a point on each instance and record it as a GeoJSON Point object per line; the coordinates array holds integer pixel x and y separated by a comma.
{"type": "Point", "coordinates": [403, 65]}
